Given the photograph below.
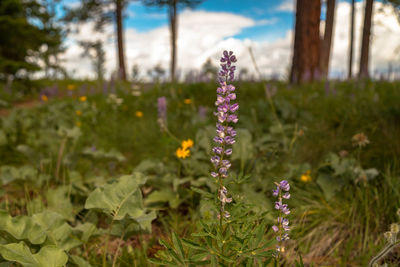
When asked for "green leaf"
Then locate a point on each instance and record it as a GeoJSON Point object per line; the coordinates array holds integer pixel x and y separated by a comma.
{"type": "Point", "coordinates": [202, 192]}
{"type": "Point", "coordinates": [22, 227]}
{"type": "Point", "coordinates": [48, 256]}
{"type": "Point", "coordinates": [79, 261]}
{"type": "Point", "coordinates": [193, 245]}
{"type": "Point", "coordinates": [171, 251]}
{"type": "Point", "coordinates": [58, 201]}
{"type": "Point", "coordinates": [178, 245]}
{"type": "Point", "coordinates": [118, 199]}
{"type": "Point", "coordinates": [329, 184]}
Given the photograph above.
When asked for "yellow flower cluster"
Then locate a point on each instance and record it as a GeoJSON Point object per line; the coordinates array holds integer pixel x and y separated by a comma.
{"type": "Point", "coordinates": [71, 87]}
{"type": "Point", "coordinates": [183, 151]}
{"type": "Point", "coordinates": [306, 177]}
{"type": "Point", "coordinates": [44, 98]}
{"type": "Point", "coordinates": [139, 114]}
{"type": "Point", "coordinates": [82, 98]}
{"type": "Point", "coordinates": [187, 101]}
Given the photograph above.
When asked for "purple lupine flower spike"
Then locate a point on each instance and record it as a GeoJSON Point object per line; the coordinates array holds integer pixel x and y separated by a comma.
{"type": "Point", "coordinates": [162, 112]}
{"type": "Point", "coordinates": [225, 134]}
{"type": "Point", "coordinates": [282, 227]}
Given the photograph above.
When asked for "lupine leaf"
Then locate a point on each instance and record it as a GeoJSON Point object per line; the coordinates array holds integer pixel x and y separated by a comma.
{"type": "Point", "coordinates": [192, 244]}
{"type": "Point", "coordinates": [178, 244]}
{"type": "Point", "coordinates": [171, 251]}
{"type": "Point", "coordinates": [48, 256]}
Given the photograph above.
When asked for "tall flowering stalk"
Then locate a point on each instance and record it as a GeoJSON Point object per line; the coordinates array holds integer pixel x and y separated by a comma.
{"type": "Point", "coordinates": [282, 227]}
{"type": "Point", "coordinates": [225, 133]}
{"type": "Point", "coordinates": [162, 112]}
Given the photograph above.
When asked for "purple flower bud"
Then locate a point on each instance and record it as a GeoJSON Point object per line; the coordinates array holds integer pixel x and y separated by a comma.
{"type": "Point", "coordinates": [232, 96]}
{"type": "Point", "coordinates": [223, 170]}
{"type": "Point", "coordinates": [275, 228]}
{"type": "Point", "coordinates": [228, 151]}
{"type": "Point", "coordinates": [229, 140]}
{"type": "Point", "coordinates": [214, 174]}
{"type": "Point", "coordinates": [275, 192]}
{"type": "Point", "coordinates": [232, 118]}
{"type": "Point", "coordinates": [217, 150]}
{"type": "Point", "coordinates": [218, 140]}
{"type": "Point", "coordinates": [215, 160]}
{"type": "Point", "coordinates": [284, 185]}
{"type": "Point", "coordinates": [234, 107]}
{"type": "Point", "coordinates": [286, 195]}
{"type": "Point", "coordinates": [226, 163]}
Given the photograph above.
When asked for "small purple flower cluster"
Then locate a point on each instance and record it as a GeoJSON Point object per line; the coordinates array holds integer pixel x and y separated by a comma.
{"type": "Point", "coordinates": [282, 192]}
{"type": "Point", "coordinates": [225, 133]}
{"type": "Point", "coordinates": [162, 112]}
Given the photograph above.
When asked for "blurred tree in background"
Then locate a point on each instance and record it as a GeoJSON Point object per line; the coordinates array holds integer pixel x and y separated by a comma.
{"type": "Point", "coordinates": [173, 24]}
{"type": "Point", "coordinates": [95, 52]}
{"type": "Point", "coordinates": [28, 33]}
{"type": "Point", "coordinates": [306, 50]}
{"type": "Point", "coordinates": [102, 12]}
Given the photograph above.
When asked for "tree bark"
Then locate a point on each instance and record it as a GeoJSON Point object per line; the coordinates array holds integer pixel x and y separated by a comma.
{"type": "Point", "coordinates": [363, 73]}
{"type": "Point", "coordinates": [120, 40]}
{"type": "Point", "coordinates": [306, 51]}
{"type": "Point", "coordinates": [351, 44]}
{"type": "Point", "coordinates": [173, 20]}
{"type": "Point", "coordinates": [327, 41]}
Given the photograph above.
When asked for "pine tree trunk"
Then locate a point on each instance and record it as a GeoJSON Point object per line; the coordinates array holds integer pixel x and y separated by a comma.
{"type": "Point", "coordinates": [327, 41]}
{"type": "Point", "coordinates": [173, 28]}
{"type": "Point", "coordinates": [366, 40]}
{"type": "Point", "coordinates": [306, 52]}
{"type": "Point", "coordinates": [351, 44]}
{"type": "Point", "coordinates": [120, 40]}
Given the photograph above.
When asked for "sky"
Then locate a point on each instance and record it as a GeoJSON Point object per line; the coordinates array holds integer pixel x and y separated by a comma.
{"type": "Point", "coordinates": [264, 26]}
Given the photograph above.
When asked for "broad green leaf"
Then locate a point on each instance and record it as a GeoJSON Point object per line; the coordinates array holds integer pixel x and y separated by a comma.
{"type": "Point", "coordinates": [120, 198]}
{"type": "Point", "coordinates": [22, 227]}
{"type": "Point", "coordinates": [88, 230]}
{"type": "Point", "coordinates": [48, 256]}
{"type": "Point", "coordinates": [329, 184]}
{"type": "Point", "coordinates": [79, 261]}
{"type": "Point", "coordinates": [58, 201]}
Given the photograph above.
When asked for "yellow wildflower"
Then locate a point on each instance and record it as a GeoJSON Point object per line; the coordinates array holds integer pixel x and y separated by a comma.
{"type": "Point", "coordinates": [187, 101]}
{"type": "Point", "coordinates": [187, 143]}
{"type": "Point", "coordinates": [139, 114]}
{"type": "Point", "coordinates": [78, 123]}
{"type": "Point", "coordinates": [78, 112]}
{"type": "Point", "coordinates": [71, 87]}
{"type": "Point", "coordinates": [182, 153]}
{"type": "Point", "coordinates": [83, 98]}
{"type": "Point", "coordinates": [44, 98]}
{"type": "Point", "coordinates": [306, 177]}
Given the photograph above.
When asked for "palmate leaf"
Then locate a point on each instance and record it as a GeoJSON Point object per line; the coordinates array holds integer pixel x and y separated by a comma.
{"type": "Point", "coordinates": [120, 198]}
{"type": "Point", "coordinates": [48, 256]}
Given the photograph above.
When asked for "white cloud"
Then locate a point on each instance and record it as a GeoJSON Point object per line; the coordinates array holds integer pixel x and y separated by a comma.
{"type": "Point", "coordinates": [203, 35]}
{"type": "Point", "coordinates": [385, 37]}
{"type": "Point", "coordinates": [286, 6]}
{"type": "Point", "coordinates": [263, 22]}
